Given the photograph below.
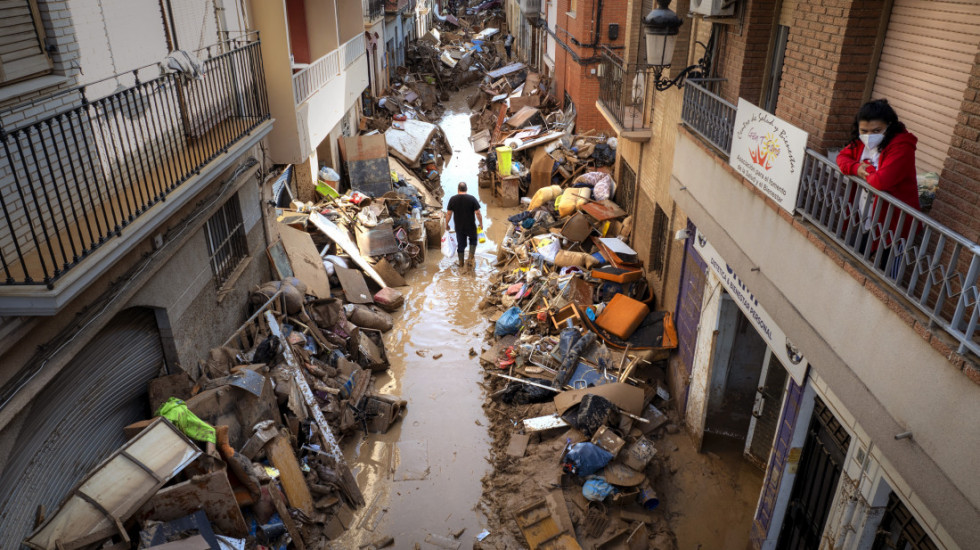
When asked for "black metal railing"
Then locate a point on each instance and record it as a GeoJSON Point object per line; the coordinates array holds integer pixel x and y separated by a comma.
{"type": "Point", "coordinates": [374, 9]}
{"type": "Point", "coordinates": [708, 115]}
{"type": "Point", "coordinates": [75, 179]}
{"type": "Point", "coordinates": [935, 268]}
{"type": "Point", "coordinates": [622, 91]}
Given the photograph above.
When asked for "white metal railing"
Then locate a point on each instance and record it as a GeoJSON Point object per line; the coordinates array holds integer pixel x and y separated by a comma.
{"type": "Point", "coordinates": [353, 49]}
{"type": "Point", "coordinates": [308, 81]}
{"type": "Point", "coordinates": [314, 77]}
{"type": "Point", "coordinates": [934, 267]}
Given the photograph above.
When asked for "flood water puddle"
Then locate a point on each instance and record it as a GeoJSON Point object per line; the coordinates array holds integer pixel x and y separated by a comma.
{"type": "Point", "coordinates": [421, 480]}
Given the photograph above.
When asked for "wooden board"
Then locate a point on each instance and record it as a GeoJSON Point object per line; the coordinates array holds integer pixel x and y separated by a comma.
{"type": "Point", "coordinates": [388, 273]}
{"type": "Point", "coordinates": [305, 260]}
{"type": "Point", "coordinates": [355, 288]}
{"type": "Point", "coordinates": [210, 492]}
{"type": "Point", "coordinates": [343, 240]}
{"type": "Point", "coordinates": [541, 530]}
{"type": "Point", "coordinates": [293, 484]}
{"type": "Point", "coordinates": [625, 396]}
{"type": "Point", "coordinates": [518, 445]}
{"type": "Point", "coordinates": [279, 261]}
{"type": "Point", "coordinates": [112, 491]}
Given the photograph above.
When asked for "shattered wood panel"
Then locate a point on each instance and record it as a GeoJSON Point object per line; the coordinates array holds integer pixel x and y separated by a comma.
{"type": "Point", "coordinates": [210, 492]}
{"type": "Point", "coordinates": [409, 143]}
{"type": "Point", "coordinates": [290, 475]}
{"type": "Point", "coordinates": [116, 488]}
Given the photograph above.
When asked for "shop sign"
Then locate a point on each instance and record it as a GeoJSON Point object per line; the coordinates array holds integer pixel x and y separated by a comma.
{"type": "Point", "coordinates": [768, 152]}
{"type": "Point", "coordinates": [781, 347]}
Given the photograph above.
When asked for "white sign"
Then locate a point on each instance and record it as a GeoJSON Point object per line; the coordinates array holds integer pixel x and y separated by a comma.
{"type": "Point", "coordinates": [781, 347]}
{"type": "Point", "coordinates": [769, 152]}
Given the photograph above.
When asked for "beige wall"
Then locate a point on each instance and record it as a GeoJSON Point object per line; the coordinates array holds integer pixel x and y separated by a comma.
{"type": "Point", "coordinates": [886, 376]}
{"type": "Point", "coordinates": [350, 19]}
{"type": "Point", "coordinates": [322, 26]}
{"type": "Point", "coordinates": [269, 18]}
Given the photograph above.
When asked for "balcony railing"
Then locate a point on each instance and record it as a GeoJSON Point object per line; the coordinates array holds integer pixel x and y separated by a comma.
{"type": "Point", "coordinates": [374, 9]}
{"type": "Point", "coordinates": [934, 267]}
{"type": "Point", "coordinates": [72, 181]}
{"type": "Point", "coordinates": [395, 6]}
{"type": "Point", "coordinates": [708, 115]}
{"type": "Point", "coordinates": [319, 73]}
{"type": "Point", "coordinates": [622, 90]}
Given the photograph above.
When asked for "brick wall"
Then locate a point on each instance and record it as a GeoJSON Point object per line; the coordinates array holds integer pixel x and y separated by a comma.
{"type": "Point", "coordinates": [957, 203]}
{"type": "Point", "coordinates": [828, 59]}
{"type": "Point", "coordinates": [743, 50]}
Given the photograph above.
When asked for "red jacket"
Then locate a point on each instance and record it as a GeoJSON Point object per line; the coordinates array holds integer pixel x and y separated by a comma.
{"type": "Point", "coordinates": [896, 167]}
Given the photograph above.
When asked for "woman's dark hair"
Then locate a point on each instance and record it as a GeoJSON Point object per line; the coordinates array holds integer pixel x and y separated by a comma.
{"type": "Point", "coordinates": [878, 109]}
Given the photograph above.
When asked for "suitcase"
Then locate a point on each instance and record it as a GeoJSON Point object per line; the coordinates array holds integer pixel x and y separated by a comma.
{"type": "Point", "coordinates": [622, 315]}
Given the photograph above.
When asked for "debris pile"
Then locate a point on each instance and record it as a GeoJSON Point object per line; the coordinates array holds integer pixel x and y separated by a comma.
{"type": "Point", "coordinates": [242, 450]}
{"type": "Point", "coordinates": [576, 368]}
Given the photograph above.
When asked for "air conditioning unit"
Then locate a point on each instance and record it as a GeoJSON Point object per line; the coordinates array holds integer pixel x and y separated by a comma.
{"type": "Point", "coordinates": [713, 8]}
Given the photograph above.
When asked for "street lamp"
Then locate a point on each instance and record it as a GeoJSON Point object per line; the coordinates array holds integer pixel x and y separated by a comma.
{"type": "Point", "coordinates": [661, 26]}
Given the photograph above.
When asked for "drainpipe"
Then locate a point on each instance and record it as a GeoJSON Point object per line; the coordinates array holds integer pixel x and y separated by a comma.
{"type": "Point", "coordinates": [846, 523]}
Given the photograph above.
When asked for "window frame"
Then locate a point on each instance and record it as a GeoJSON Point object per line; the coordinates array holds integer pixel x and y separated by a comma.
{"type": "Point", "coordinates": [659, 241]}
{"type": "Point", "coordinates": [226, 228]}
{"type": "Point", "coordinates": [41, 37]}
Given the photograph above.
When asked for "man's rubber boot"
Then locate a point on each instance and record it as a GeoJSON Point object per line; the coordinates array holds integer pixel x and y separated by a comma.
{"type": "Point", "coordinates": [471, 259]}
{"type": "Point", "coordinates": [461, 259]}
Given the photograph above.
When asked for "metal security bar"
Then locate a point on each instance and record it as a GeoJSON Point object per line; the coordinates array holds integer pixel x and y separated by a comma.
{"type": "Point", "coordinates": [933, 266]}
{"type": "Point", "coordinates": [374, 9]}
{"type": "Point", "coordinates": [708, 115]}
{"type": "Point", "coordinates": [622, 90]}
{"type": "Point", "coordinates": [73, 180]}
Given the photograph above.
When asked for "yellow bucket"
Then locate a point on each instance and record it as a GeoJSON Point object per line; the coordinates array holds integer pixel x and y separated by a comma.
{"type": "Point", "coordinates": [503, 160]}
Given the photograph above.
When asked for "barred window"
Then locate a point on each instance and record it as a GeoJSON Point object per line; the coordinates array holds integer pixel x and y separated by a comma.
{"type": "Point", "coordinates": [900, 530]}
{"type": "Point", "coordinates": [658, 241]}
{"type": "Point", "coordinates": [626, 188]}
{"type": "Point", "coordinates": [226, 240]}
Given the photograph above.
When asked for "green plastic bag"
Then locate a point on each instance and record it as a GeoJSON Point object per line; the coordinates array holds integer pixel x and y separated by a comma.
{"type": "Point", "coordinates": [176, 412]}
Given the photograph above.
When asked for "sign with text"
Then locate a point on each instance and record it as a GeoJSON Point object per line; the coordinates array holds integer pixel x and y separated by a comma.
{"type": "Point", "coordinates": [781, 347]}
{"type": "Point", "coordinates": [768, 152]}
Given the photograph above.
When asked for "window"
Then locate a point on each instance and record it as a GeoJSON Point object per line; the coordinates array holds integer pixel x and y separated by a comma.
{"type": "Point", "coordinates": [572, 7]}
{"type": "Point", "coordinates": [658, 241]}
{"type": "Point", "coordinates": [900, 530]}
{"type": "Point", "coordinates": [22, 53]}
{"type": "Point", "coordinates": [226, 241]}
{"type": "Point", "coordinates": [775, 69]}
{"type": "Point", "coordinates": [626, 190]}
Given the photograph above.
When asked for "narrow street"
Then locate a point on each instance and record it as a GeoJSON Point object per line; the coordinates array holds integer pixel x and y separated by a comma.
{"type": "Point", "coordinates": [422, 479]}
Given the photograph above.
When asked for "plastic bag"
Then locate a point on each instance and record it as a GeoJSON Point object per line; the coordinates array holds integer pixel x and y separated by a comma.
{"type": "Point", "coordinates": [585, 459]}
{"type": "Point", "coordinates": [187, 422]}
{"type": "Point", "coordinates": [449, 244]}
{"type": "Point", "coordinates": [509, 322]}
{"type": "Point", "coordinates": [597, 489]}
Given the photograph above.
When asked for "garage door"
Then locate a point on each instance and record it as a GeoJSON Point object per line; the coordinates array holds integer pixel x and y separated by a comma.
{"type": "Point", "coordinates": [77, 420]}
{"type": "Point", "coordinates": [926, 60]}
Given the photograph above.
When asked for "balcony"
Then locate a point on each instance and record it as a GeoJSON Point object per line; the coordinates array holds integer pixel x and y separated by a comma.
{"type": "Point", "coordinates": [933, 268]}
{"type": "Point", "coordinates": [83, 186]}
{"type": "Point", "coordinates": [622, 97]}
{"type": "Point", "coordinates": [395, 6]}
{"type": "Point", "coordinates": [321, 72]}
{"type": "Point", "coordinates": [373, 9]}
{"type": "Point", "coordinates": [530, 8]}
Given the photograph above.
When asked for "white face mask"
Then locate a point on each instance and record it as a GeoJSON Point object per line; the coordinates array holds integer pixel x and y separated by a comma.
{"type": "Point", "coordinates": [872, 141]}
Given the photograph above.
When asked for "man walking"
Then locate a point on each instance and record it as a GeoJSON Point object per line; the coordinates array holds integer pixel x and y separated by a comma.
{"type": "Point", "coordinates": [465, 209]}
{"type": "Point", "coordinates": [508, 44]}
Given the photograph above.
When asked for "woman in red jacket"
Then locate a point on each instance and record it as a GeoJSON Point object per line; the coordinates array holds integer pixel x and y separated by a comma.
{"type": "Point", "coordinates": [882, 152]}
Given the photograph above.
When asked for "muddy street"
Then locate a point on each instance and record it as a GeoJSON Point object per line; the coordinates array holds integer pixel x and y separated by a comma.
{"type": "Point", "coordinates": [421, 480]}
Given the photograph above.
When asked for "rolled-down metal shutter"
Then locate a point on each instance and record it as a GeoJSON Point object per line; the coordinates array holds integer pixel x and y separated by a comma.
{"type": "Point", "coordinates": [77, 420]}
{"type": "Point", "coordinates": [926, 61]}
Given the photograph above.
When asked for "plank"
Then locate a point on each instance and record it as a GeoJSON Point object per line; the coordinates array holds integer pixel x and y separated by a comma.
{"type": "Point", "coordinates": [355, 288]}
{"type": "Point", "coordinates": [281, 456]}
{"type": "Point", "coordinates": [388, 273]}
{"type": "Point", "coordinates": [305, 260]}
{"type": "Point", "coordinates": [342, 239]}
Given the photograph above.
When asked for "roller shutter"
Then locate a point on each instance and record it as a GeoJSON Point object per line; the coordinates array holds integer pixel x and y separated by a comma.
{"type": "Point", "coordinates": [77, 420]}
{"type": "Point", "coordinates": [925, 63]}
{"type": "Point", "coordinates": [22, 52]}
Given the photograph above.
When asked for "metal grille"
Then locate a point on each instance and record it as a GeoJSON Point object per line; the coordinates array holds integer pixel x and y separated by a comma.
{"type": "Point", "coordinates": [658, 242]}
{"type": "Point", "coordinates": [708, 115]}
{"type": "Point", "coordinates": [226, 240]}
{"type": "Point", "coordinates": [899, 530]}
{"type": "Point", "coordinates": [626, 189]}
{"type": "Point", "coordinates": [622, 91]}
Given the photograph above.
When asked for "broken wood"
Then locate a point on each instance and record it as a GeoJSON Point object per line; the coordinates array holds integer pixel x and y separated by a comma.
{"type": "Point", "coordinates": [281, 455]}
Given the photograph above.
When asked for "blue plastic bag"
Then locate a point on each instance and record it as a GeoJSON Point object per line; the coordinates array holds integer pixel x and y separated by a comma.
{"type": "Point", "coordinates": [597, 489]}
{"type": "Point", "coordinates": [585, 459]}
{"type": "Point", "coordinates": [509, 322]}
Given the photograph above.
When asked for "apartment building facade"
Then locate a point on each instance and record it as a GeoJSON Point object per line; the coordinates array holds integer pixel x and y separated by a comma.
{"type": "Point", "coordinates": [316, 66]}
{"type": "Point", "coordinates": [131, 220]}
{"type": "Point", "coordinates": [848, 371]}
